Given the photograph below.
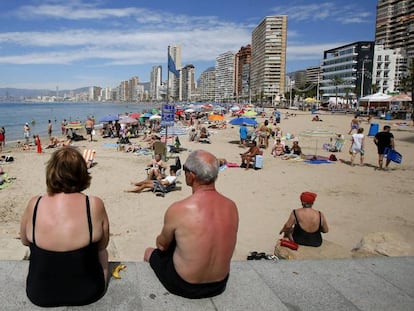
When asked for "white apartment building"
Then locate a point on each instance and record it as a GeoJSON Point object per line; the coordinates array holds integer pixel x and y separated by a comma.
{"type": "Point", "coordinates": [156, 83]}
{"type": "Point", "coordinates": [188, 85]}
{"type": "Point", "coordinates": [389, 68]}
{"type": "Point", "coordinates": [174, 83]}
{"type": "Point", "coordinates": [224, 77]}
{"type": "Point", "coordinates": [207, 85]}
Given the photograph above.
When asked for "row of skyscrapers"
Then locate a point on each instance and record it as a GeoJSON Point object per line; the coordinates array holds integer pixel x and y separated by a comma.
{"type": "Point", "coordinates": [257, 72]}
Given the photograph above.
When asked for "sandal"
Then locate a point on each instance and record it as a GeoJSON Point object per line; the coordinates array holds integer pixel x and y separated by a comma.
{"type": "Point", "coordinates": [252, 255]}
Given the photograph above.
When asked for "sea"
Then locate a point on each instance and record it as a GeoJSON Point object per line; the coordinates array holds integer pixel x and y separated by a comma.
{"type": "Point", "coordinates": [13, 115]}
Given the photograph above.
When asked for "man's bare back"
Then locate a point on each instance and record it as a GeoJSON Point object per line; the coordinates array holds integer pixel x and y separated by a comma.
{"type": "Point", "coordinates": [202, 254]}
{"type": "Point", "coordinates": [199, 234]}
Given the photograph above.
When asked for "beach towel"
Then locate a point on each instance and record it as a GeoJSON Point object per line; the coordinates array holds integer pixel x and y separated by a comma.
{"type": "Point", "coordinates": [110, 145]}
{"type": "Point", "coordinates": [318, 161]}
{"type": "Point", "coordinates": [5, 181]}
{"type": "Point", "coordinates": [229, 164]}
{"type": "Point", "coordinates": [393, 155]}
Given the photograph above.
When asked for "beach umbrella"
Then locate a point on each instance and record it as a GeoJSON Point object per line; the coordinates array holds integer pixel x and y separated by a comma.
{"type": "Point", "coordinates": [243, 120]}
{"type": "Point", "coordinates": [189, 110]}
{"type": "Point", "coordinates": [249, 113]}
{"type": "Point", "coordinates": [207, 106]}
{"type": "Point", "coordinates": [235, 108]}
{"type": "Point", "coordinates": [317, 134]}
{"type": "Point", "coordinates": [219, 108]}
{"type": "Point", "coordinates": [310, 100]}
{"type": "Point", "coordinates": [135, 115]}
{"type": "Point", "coordinates": [155, 117]}
{"type": "Point", "coordinates": [109, 118]}
{"type": "Point", "coordinates": [128, 120]}
{"type": "Point", "coordinates": [146, 115]}
{"type": "Point", "coordinates": [216, 117]}
{"type": "Point", "coordinates": [174, 131]}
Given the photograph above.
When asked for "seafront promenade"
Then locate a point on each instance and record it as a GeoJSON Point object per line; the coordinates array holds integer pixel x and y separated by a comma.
{"type": "Point", "coordinates": [376, 283]}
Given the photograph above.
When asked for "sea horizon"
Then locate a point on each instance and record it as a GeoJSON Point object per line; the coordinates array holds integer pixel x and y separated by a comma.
{"type": "Point", "coordinates": [14, 115]}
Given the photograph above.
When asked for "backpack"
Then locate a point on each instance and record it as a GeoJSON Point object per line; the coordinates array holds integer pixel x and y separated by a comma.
{"type": "Point", "coordinates": [332, 157]}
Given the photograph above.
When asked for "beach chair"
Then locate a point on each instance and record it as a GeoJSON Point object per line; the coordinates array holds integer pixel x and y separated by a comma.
{"type": "Point", "coordinates": [161, 190]}
{"type": "Point", "coordinates": [89, 156]}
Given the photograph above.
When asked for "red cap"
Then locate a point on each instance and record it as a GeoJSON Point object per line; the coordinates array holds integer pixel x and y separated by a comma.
{"type": "Point", "coordinates": [308, 197]}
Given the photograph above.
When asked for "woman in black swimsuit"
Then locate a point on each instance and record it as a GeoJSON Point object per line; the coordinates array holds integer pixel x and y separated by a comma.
{"type": "Point", "coordinates": [305, 224]}
{"type": "Point", "coordinates": [68, 233]}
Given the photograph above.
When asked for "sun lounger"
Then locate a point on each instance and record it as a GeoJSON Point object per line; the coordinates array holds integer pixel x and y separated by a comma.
{"type": "Point", "coordinates": [89, 156]}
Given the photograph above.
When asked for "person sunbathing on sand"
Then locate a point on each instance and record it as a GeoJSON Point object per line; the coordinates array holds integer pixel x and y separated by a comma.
{"type": "Point", "coordinates": [150, 184]}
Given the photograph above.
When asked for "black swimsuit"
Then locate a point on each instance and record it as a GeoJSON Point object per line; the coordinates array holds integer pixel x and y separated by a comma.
{"type": "Point", "coordinates": [303, 237]}
{"type": "Point", "coordinates": [68, 278]}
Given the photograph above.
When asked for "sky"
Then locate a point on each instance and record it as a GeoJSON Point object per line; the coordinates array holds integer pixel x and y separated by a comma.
{"type": "Point", "coordinates": [69, 44]}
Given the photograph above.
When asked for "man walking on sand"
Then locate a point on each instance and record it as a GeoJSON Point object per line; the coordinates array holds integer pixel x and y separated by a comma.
{"type": "Point", "coordinates": [384, 139]}
{"type": "Point", "coordinates": [195, 246]}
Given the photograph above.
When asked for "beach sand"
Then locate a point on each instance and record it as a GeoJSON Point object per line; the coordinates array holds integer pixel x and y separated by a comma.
{"type": "Point", "coordinates": [355, 200]}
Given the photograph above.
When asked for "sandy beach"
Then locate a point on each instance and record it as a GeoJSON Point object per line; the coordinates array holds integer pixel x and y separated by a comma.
{"type": "Point", "coordinates": [355, 200]}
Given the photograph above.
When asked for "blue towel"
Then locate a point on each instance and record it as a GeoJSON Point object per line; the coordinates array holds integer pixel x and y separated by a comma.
{"type": "Point", "coordinates": [318, 161]}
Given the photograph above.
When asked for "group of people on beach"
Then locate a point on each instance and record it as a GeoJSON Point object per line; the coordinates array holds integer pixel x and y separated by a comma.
{"type": "Point", "coordinates": [384, 141]}
{"type": "Point", "coordinates": [190, 258]}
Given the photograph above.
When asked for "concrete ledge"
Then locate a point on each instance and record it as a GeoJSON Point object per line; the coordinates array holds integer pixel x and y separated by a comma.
{"type": "Point", "coordinates": [341, 284]}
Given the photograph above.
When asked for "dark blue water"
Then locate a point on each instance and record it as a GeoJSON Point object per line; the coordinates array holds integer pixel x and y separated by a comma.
{"type": "Point", "coordinates": [13, 115]}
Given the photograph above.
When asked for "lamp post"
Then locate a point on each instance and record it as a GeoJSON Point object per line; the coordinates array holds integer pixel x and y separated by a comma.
{"type": "Point", "coordinates": [363, 76]}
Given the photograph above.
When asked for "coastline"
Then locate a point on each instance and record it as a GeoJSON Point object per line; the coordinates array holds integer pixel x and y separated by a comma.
{"type": "Point", "coordinates": [355, 200]}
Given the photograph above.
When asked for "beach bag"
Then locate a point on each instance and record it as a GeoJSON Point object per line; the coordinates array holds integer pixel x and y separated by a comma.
{"type": "Point", "coordinates": [289, 244]}
{"type": "Point", "coordinates": [332, 157]}
{"type": "Point", "coordinates": [393, 155]}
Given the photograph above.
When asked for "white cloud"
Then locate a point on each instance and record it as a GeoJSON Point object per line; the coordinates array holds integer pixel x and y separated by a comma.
{"type": "Point", "coordinates": [321, 11]}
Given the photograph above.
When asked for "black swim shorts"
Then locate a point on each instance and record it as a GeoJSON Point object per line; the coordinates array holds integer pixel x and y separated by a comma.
{"type": "Point", "coordinates": [163, 266]}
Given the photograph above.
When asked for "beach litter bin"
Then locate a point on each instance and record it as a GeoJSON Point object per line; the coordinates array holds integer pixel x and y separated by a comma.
{"type": "Point", "coordinates": [373, 129]}
{"type": "Point", "coordinates": [388, 116]}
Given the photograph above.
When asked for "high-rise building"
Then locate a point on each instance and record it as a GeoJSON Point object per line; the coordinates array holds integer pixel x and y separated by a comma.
{"type": "Point", "coordinates": [242, 73]}
{"type": "Point", "coordinates": [132, 94]}
{"type": "Point", "coordinates": [174, 82]}
{"type": "Point", "coordinates": [389, 68]}
{"type": "Point", "coordinates": [224, 77]}
{"type": "Point", "coordinates": [346, 70]}
{"type": "Point", "coordinates": [207, 84]}
{"type": "Point", "coordinates": [268, 64]}
{"type": "Point", "coordinates": [155, 83]}
{"type": "Point", "coordinates": [395, 25]}
{"type": "Point", "coordinates": [188, 83]}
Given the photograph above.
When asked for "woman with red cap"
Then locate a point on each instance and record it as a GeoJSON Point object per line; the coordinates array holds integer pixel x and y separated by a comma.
{"type": "Point", "coordinates": [305, 224]}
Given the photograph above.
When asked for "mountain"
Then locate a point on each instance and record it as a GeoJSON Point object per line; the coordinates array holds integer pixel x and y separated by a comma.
{"type": "Point", "coordinates": [9, 92]}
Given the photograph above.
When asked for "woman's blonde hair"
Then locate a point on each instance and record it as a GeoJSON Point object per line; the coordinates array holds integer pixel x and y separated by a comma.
{"type": "Point", "coordinates": [66, 172]}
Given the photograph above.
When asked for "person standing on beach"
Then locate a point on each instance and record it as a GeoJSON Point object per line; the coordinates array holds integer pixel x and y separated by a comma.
{"type": "Point", "coordinates": [89, 124]}
{"type": "Point", "coordinates": [38, 143]}
{"type": "Point", "coordinates": [243, 134]}
{"type": "Point", "coordinates": [358, 146]}
{"type": "Point", "coordinates": [63, 127]}
{"type": "Point", "coordinates": [354, 125]}
{"type": "Point", "coordinates": [2, 138]}
{"type": "Point", "coordinates": [384, 139]}
{"type": "Point", "coordinates": [49, 128]}
{"type": "Point", "coordinates": [192, 259]}
{"type": "Point", "coordinates": [26, 132]}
